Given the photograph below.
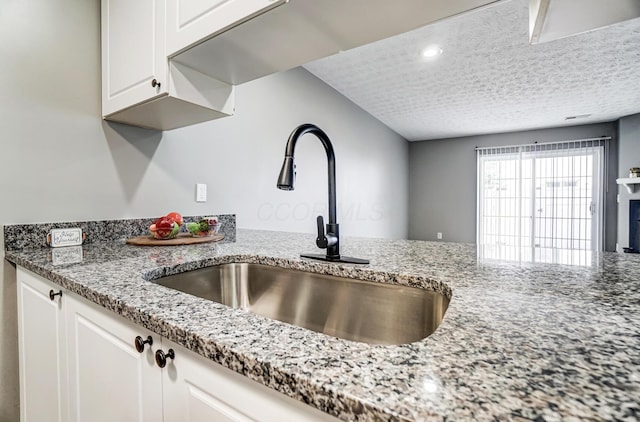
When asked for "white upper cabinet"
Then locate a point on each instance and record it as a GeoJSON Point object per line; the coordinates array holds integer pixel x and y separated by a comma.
{"type": "Point", "coordinates": [192, 21]}
{"type": "Point", "coordinates": [140, 86]}
{"type": "Point", "coordinates": [133, 53]}
{"type": "Point", "coordinates": [173, 63]}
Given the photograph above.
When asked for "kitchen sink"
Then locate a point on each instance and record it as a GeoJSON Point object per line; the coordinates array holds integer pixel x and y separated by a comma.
{"type": "Point", "coordinates": [342, 307]}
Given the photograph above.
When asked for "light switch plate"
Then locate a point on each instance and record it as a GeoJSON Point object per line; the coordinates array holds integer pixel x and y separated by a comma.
{"type": "Point", "coordinates": [201, 192]}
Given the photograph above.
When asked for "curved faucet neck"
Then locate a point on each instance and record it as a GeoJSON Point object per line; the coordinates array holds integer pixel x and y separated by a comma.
{"type": "Point", "coordinates": [331, 160]}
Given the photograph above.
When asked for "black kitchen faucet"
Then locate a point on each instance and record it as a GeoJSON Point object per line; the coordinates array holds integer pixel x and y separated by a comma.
{"type": "Point", "coordinates": [331, 240]}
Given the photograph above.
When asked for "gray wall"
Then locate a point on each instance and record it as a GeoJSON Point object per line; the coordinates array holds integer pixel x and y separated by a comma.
{"type": "Point", "coordinates": [442, 180]}
{"type": "Point", "coordinates": [240, 158]}
{"type": "Point", "coordinates": [629, 132]}
{"type": "Point", "coordinates": [61, 162]}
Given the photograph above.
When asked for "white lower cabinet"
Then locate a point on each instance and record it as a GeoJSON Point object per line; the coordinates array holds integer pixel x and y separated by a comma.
{"type": "Point", "coordinates": [41, 348]}
{"type": "Point", "coordinates": [196, 389]}
{"type": "Point", "coordinates": [80, 362]}
{"type": "Point", "coordinates": [109, 380]}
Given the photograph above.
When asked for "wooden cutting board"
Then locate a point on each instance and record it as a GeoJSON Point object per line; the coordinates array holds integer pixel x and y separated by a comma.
{"type": "Point", "coordinates": [181, 239]}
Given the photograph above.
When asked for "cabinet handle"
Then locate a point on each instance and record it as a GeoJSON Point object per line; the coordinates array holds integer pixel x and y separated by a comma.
{"type": "Point", "coordinates": [52, 294]}
{"type": "Point", "coordinates": [140, 342]}
{"type": "Point", "coordinates": [161, 357]}
{"type": "Point", "coordinates": [155, 83]}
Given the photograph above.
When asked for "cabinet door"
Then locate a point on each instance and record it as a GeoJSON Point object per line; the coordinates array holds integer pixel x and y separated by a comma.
{"type": "Point", "coordinates": [41, 344]}
{"type": "Point", "coordinates": [109, 380]}
{"type": "Point", "coordinates": [133, 53]}
{"type": "Point", "coordinates": [192, 21]}
{"type": "Point", "coordinates": [196, 389]}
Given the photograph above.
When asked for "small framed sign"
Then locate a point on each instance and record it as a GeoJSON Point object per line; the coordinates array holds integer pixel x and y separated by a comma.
{"type": "Point", "coordinates": [65, 237]}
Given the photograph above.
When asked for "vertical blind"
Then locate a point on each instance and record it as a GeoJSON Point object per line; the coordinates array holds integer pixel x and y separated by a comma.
{"type": "Point", "coordinates": [541, 202]}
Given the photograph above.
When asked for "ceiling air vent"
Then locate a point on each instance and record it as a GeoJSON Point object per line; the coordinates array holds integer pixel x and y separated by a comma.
{"type": "Point", "coordinates": [579, 116]}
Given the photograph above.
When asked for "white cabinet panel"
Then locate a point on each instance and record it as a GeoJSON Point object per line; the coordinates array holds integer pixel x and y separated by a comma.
{"type": "Point", "coordinates": [41, 343]}
{"type": "Point", "coordinates": [193, 98]}
{"type": "Point", "coordinates": [203, 390]}
{"type": "Point", "coordinates": [191, 21]}
{"type": "Point", "coordinates": [109, 379]}
{"type": "Point", "coordinates": [205, 407]}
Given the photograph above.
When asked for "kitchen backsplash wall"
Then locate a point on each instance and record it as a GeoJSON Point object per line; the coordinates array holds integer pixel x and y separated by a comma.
{"type": "Point", "coordinates": [240, 157]}
{"type": "Point", "coordinates": [64, 163]}
{"type": "Point", "coordinates": [21, 236]}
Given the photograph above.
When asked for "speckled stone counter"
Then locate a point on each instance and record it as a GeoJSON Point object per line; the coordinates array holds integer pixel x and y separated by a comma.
{"type": "Point", "coordinates": [518, 342]}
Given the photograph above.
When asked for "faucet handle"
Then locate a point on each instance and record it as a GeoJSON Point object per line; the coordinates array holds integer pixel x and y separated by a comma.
{"type": "Point", "coordinates": [321, 240]}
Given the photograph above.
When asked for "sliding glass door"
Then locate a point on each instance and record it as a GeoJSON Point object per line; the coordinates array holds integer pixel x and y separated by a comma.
{"type": "Point", "coordinates": [540, 202]}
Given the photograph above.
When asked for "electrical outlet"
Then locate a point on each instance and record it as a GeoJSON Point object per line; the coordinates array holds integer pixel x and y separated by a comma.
{"type": "Point", "coordinates": [439, 236]}
{"type": "Point", "coordinates": [201, 192]}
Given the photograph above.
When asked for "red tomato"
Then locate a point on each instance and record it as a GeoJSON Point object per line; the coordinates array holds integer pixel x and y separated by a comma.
{"type": "Point", "coordinates": [164, 227]}
{"type": "Point", "coordinates": [176, 217]}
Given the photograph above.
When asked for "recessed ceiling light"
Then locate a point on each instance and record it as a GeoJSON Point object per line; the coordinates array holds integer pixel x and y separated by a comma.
{"type": "Point", "coordinates": [432, 51]}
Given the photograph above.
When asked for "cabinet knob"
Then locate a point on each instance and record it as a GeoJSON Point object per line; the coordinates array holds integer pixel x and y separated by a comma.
{"type": "Point", "coordinates": [140, 342]}
{"type": "Point", "coordinates": [155, 83]}
{"type": "Point", "coordinates": [52, 294]}
{"type": "Point", "coordinates": [161, 357]}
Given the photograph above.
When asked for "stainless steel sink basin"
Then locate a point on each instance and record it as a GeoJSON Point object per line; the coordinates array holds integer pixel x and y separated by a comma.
{"type": "Point", "coordinates": [341, 307]}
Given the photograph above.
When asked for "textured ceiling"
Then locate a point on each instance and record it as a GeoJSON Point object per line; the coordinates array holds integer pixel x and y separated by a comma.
{"type": "Point", "coordinates": [489, 79]}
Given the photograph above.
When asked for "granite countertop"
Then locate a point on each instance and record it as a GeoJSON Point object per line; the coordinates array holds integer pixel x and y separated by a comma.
{"type": "Point", "coordinates": [518, 341]}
